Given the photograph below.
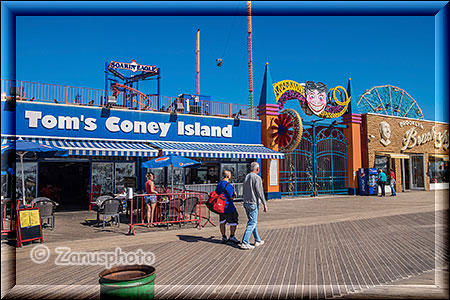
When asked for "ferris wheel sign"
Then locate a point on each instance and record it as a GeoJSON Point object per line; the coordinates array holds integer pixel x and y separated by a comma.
{"type": "Point", "coordinates": [133, 66]}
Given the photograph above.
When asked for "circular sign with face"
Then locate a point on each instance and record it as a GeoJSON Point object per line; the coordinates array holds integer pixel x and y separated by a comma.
{"type": "Point", "coordinates": [316, 96]}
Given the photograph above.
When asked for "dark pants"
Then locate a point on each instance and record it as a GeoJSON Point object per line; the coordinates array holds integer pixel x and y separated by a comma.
{"type": "Point", "coordinates": [382, 184]}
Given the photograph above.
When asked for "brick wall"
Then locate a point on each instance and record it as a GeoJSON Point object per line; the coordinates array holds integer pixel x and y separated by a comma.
{"type": "Point", "coordinates": [404, 133]}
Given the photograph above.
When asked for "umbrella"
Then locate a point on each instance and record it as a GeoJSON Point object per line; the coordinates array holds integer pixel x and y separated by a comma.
{"type": "Point", "coordinates": [172, 159]}
{"type": "Point", "coordinates": [29, 149]}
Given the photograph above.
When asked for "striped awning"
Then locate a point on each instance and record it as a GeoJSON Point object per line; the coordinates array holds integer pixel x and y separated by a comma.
{"type": "Point", "coordinates": [444, 157]}
{"type": "Point", "coordinates": [393, 155]}
{"type": "Point", "coordinates": [96, 147]}
{"type": "Point", "coordinates": [213, 150]}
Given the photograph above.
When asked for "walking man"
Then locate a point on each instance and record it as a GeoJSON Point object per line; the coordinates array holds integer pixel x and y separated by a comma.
{"type": "Point", "coordinates": [382, 178]}
{"type": "Point", "coordinates": [253, 198]}
{"type": "Point", "coordinates": [392, 181]}
{"type": "Point", "coordinates": [230, 215]}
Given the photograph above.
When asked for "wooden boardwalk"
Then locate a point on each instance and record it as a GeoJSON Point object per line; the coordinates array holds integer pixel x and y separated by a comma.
{"type": "Point", "coordinates": [343, 257]}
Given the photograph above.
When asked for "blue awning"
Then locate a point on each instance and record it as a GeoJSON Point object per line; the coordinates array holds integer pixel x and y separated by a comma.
{"type": "Point", "coordinates": [97, 147]}
{"type": "Point", "coordinates": [213, 150]}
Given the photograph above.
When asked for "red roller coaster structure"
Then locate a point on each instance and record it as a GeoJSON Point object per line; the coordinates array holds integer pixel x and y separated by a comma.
{"type": "Point", "coordinates": [117, 86]}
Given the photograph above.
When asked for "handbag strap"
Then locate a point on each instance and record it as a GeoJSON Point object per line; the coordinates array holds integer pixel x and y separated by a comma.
{"type": "Point", "coordinates": [223, 187]}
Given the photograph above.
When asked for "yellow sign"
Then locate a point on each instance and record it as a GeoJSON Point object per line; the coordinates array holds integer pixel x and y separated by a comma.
{"type": "Point", "coordinates": [24, 218]}
{"type": "Point", "coordinates": [34, 218]}
{"type": "Point", "coordinates": [29, 218]}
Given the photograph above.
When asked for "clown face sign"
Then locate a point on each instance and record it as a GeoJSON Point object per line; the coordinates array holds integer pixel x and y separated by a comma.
{"type": "Point", "coordinates": [316, 96]}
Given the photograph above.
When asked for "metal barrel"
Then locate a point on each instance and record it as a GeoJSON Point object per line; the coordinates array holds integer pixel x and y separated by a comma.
{"type": "Point", "coordinates": [128, 282]}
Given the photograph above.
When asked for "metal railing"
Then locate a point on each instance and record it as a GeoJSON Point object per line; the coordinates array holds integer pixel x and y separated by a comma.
{"type": "Point", "coordinates": [7, 222]}
{"type": "Point", "coordinates": [64, 94]}
{"type": "Point", "coordinates": [208, 188]}
{"type": "Point", "coordinates": [171, 208]}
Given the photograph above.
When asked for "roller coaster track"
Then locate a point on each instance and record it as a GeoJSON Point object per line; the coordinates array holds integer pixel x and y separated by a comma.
{"type": "Point", "coordinates": [116, 87]}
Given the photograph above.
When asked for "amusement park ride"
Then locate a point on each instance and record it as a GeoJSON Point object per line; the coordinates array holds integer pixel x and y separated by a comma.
{"type": "Point", "coordinates": [389, 100]}
{"type": "Point", "coordinates": [117, 83]}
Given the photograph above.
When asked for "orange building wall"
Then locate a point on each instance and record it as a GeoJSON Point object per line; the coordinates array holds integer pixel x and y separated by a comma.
{"type": "Point", "coordinates": [268, 141]}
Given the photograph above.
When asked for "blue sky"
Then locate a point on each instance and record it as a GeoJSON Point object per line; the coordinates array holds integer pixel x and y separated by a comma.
{"type": "Point", "coordinates": [371, 50]}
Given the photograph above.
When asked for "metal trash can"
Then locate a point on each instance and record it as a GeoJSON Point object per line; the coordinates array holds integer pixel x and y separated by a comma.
{"type": "Point", "coordinates": [128, 282]}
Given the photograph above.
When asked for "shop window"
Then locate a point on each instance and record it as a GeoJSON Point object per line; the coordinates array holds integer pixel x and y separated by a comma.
{"type": "Point", "coordinates": [207, 173]}
{"type": "Point", "coordinates": [5, 185]}
{"type": "Point", "coordinates": [242, 172]}
{"type": "Point", "coordinates": [381, 162]}
{"type": "Point", "coordinates": [178, 177]}
{"type": "Point", "coordinates": [124, 170]}
{"type": "Point", "coordinates": [438, 170]}
{"type": "Point", "coordinates": [159, 176]}
{"type": "Point", "coordinates": [202, 176]}
{"type": "Point", "coordinates": [30, 174]}
{"type": "Point", "coordinates": [102, 174]}
{"type": "Point", "coordinates": [232, 167]}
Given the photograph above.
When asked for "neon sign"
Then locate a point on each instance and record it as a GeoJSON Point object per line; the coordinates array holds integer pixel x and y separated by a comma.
{"type": "Point", "coordinates": [133, 66]}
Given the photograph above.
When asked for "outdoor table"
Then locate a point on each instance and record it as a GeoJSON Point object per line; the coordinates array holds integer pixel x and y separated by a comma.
{"type": "Point", "coordinates": [123, 199]}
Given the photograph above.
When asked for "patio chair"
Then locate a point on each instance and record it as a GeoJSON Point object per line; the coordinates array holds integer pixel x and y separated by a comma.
{"type": "Point", "coordinates": [47, 209]}
{"type": "Point", "coordinates": [102, 199]}
{"type": "Point", "coordinates": [173, 211]}
{"type": "Point", "coordinates": [189, 206]}
{"type": "Point", "coordinates": [98, 202]}
{"type": "Point", "coordinates": [110, 208]}
{"type": "Point", "coordinates": [96, 192]}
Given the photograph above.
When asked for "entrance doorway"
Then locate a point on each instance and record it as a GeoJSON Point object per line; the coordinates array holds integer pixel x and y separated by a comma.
{"type": "Point", "coordinates": [417, 172]}
{"type": "Point", "coordinates": [317, 166]}
{"type": "Point", "coordinates": [405, 173]}
{"type": "Point", "coordinates": [65, 182]}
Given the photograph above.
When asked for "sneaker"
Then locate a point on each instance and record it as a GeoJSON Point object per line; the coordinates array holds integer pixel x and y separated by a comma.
{"type": "Point", "coordinates": [260, 243]}
{"type": "Point", "coordinates": [224, 240]}
{"type": "Point", "coordinates": [233, 239]}
{"type": "Point", "coordinates": [246, 246]}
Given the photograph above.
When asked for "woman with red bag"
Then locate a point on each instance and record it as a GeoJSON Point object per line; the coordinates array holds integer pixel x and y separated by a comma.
{"type": "Point", "coordinates": [230, 215]}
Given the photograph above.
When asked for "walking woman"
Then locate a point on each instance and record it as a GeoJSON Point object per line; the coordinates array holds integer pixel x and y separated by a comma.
{"type": "Point", "coordinates": [150, 199]}
{"type": "Point", "coordinates": [392, 181]}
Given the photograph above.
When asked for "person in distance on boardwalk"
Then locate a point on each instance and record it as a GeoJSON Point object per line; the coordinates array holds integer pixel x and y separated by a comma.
{"type": "Point", "coordinates": [392, 181]}
{"type": "Point", "coordinates": [382, 178]}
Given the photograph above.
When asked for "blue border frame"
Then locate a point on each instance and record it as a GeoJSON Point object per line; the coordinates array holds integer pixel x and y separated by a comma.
{"type": "Point", "coordinates": [439, 9]}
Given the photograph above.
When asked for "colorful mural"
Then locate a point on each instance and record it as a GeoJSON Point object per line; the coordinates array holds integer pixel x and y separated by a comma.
{"type": "Point", "coordinates": [313, 97]}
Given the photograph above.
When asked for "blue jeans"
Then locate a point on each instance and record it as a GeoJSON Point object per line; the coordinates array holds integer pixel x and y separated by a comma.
{"type": "Point", "coordinates": [392, 184]}
{"type": "Point", "coordinates": [252, 214]}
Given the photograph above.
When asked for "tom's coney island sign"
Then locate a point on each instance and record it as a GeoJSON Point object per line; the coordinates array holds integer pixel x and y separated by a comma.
{"type": "Point", "coordinates": [413, 137]}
